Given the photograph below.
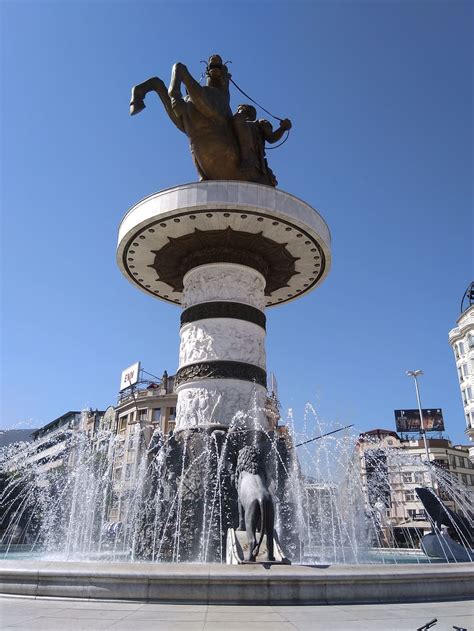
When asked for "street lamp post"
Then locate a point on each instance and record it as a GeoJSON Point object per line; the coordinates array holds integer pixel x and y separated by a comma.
{"type": "Point", "coordinates": [415, 374]}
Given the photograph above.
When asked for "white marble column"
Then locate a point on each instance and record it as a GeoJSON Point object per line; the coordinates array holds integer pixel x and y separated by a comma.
{"type": "Point", "coordinates": [222, 359]}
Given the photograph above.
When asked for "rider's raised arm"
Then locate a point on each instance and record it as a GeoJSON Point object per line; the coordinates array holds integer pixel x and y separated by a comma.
{"type": "Point", "coordinates": [274, 136]}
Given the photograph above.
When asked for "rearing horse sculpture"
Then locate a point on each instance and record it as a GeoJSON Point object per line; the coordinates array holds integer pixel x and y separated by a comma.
{"type": "Point", "coordinates": [205, 116]}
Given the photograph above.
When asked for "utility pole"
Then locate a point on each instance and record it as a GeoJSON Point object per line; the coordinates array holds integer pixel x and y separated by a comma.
{"type": "Point", "coordinates": [415, 374]}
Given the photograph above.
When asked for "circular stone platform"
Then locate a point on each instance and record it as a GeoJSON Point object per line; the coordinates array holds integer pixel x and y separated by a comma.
{"type": "Point", "coordinates": [171, 232]}
{"type": "Point", "coordinates": [237, 584]}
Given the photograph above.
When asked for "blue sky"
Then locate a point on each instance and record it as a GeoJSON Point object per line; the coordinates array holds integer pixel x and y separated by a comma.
{"type": "Point", "coordinates": [380, 95]}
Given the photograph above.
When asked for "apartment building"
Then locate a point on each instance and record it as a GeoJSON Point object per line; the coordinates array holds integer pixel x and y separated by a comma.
{"type": "Point", "coordinates": [50, 448]}
{"type": "Point", "coordinates": [461, 339]}
{"type": "Point", "coordinates": [391, 469]}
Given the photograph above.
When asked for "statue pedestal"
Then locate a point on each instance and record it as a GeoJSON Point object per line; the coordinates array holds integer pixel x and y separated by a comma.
{"type": "Point", "coordinates": [237, 549]}
{"type": "Point", "coordinates": [224, 251]}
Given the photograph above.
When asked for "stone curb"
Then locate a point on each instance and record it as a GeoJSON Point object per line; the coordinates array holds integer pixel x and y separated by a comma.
{"type": "Point", "coordinates": [221, 584]}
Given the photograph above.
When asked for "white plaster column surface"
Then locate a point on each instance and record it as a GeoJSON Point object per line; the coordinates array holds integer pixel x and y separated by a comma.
{"type": "Point", "coordinates": [222, 339]}
{"type": "Point", "coordinates": [226, 282]}
{"type": "Point", "coordinates": [220, 401]}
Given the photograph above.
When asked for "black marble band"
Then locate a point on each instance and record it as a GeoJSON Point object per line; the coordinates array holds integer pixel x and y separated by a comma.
{"type": "Point", "coordinates": [219, 309]}
{"type": "Point", "coordinates": [221, 370]}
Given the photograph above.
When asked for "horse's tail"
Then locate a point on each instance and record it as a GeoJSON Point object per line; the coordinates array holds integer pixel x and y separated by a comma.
{"type": "Point", "coordinates": [261, 503]}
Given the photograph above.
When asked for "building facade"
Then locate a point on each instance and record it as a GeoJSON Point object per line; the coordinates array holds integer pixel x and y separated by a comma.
{"type": "Point", "coordinates": [391, 469]}
{"type": "Point", "coordinates": [461, 339]}
{"type": "Point", "coordinates": [50, 442]}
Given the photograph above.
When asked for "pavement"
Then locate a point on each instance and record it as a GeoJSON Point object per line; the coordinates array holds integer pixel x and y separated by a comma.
{"type": "Point", "coordinates": [28, 614]}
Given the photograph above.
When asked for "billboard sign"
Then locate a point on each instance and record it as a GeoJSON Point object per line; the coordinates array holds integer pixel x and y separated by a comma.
{"type": "Point", "coordinates": [130, 376]}
{"type": "Point", "coordinates": [409, 420]}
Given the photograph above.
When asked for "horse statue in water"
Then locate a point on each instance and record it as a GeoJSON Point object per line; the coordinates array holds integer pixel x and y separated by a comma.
{"type": "Point", "coordinates": [223, 146]}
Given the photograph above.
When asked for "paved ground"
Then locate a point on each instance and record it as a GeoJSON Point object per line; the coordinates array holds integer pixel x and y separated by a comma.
{"type": "Point", "coordinates": [68, 615]}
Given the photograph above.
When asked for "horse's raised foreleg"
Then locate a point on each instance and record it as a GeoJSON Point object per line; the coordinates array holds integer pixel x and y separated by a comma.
{"type": "Point", "coordinates": [137, 102]}
{"type": "Point", "coordinates": [180, 74]}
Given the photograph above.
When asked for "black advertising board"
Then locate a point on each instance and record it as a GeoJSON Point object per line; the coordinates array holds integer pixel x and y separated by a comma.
{"type": "Point", "coordinates": [409, 420]}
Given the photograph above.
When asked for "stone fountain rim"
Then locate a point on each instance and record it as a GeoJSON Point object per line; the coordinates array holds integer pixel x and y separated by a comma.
{"type": "Point", "coordinates": [241, 584]}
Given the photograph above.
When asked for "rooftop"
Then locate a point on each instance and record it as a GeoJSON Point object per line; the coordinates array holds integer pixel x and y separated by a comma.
{"type": "Point", "coordinates": [58, 422]}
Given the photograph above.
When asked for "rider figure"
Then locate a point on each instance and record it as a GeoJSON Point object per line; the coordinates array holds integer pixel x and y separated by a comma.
{"type": "Point", "coordinates": [252, 135]}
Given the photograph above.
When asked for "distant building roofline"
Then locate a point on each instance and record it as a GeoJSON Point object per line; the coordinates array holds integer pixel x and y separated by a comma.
{"type": "Point", "coordinates": [51, 424]}
{"type": "Point", "coordinates": [380, 433]}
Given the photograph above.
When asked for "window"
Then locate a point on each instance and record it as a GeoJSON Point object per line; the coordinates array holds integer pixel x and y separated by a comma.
{"type": "Point", "coordinates": [115, 500]}
{"type": "Point", "coordinates": [461, 348]}
{"type": "Point", "coordinates": [411, 513]}
{"type": "Point", "coordinates": [465, 370]}
{"type": "Point", "coordinates": [123, 423]}
{"type": "Point", "coordinates": [460, 461]}
{"type": "Point", "coordinates": [464, 478]}
{"type": "Point", "coordinates": [118, 473]}
{"type": "Point", "coordinates": [409, 496]}
{"type": "Point", "coordinates": [156, 415]}
{"type": "Point", "coordinates": [444, 494]}
{"type": "Point", "coordinates": [142, 414]}
{"type": "Point", "coordinates": [441, 462]}
{"type": "Point", "coordinates": [471, 340]}
{"type": "Point", "coordinates": [419, 477]}
{"type": "Point", "coordinates": [407, 478]}
{"type": "Point", "coordinates": [128, 471]}
{"type": "Point", "coordinates": [172, 416]}
{"type": "Point", "coordinates": [469, 393]}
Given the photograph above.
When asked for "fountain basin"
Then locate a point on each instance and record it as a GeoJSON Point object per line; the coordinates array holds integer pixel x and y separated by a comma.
{"type": "Point", "coordinates": [237, 584]}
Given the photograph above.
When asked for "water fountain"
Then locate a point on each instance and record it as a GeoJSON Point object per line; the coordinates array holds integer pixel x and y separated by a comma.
{"type": "Point", "coordinates": [225, 249]}
{"type": "Point", "coordinates": [62, 516]}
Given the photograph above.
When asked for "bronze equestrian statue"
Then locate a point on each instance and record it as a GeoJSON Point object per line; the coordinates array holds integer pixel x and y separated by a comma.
{"type": "Point", "coordinates": [223, 146]}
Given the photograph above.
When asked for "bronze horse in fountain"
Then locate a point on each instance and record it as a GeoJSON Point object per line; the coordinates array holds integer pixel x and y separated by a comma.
{"type": "Point", "coordinates": [224, 146]}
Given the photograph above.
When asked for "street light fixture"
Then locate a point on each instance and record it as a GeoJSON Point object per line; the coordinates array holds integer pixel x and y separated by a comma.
{"type": "Point", "coordinates": [415, 374]}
